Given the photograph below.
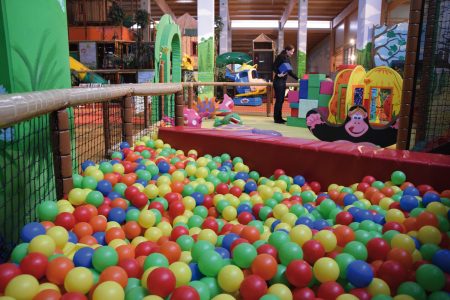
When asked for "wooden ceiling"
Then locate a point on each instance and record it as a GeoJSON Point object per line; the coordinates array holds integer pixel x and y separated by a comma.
{"type": "Point", "coordinates": [253, 10]}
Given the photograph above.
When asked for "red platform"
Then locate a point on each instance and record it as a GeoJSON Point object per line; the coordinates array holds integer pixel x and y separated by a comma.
{"type": "Point", "coordinates": [341, 163]}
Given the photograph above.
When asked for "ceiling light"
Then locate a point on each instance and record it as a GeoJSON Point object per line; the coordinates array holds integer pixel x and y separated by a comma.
{"type": "Point", "coordinates": [184, 1]}
{"type": "Point", "coordinates": [273, 24]}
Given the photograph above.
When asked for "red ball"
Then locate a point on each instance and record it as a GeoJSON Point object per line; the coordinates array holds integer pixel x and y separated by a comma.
{"type": "Point", "coordinates": [131, 191]}
{"type": "Point", "coordinates": [171, 197]}
{"type": "Point", "coordinates": [34, 264]}
{"type": "Point", "coordinates": [315, 186]}
{"type": "Point", "coordinates": [253, 287]}
{"type": "Point", "coordinates": [268, 249]}
{"type": "Point", "coordinates": [176, 208]}
{"type": "Point", "coordinates": [256, 208]}
{"type": "Point", "coordinates": [208, 201]}
{"type": "Point", "coordinates": [361, 293]}
{"type": "Point", "coordinates": [344, 218]}
{"type": "Point", "coordinates": [245, 217]}
{"type": "Point", "coordinates": [393, 226]}
{"type": "Point", "coordinates": [161, 282]}
{"type": "Point", "coordinates": [330, 290]}
{"type": "Point", "coordinates": [157, 205]}
{"type": "Point", "coordinates": [146, 248]}
{"type": "Point", "coordinates": [171, 251]}
{"type": "Point", "coordinates": [236, 191]}
{"type": "Point", "coordinates": [132, 267]}
{"type": "Point", "coordinates": [104, 209]}
{"type": "Point", "coordinates": [211, 223]}
{"type": "Point", "coordinates": [312, 251]}
{"type": "Point", "coordinates": [278, 172]}
{"type": "Point", "coordinates": [66, 220]}
{"type": "Point", "coordinates": [185, 293]}
{"type": "Point", "coordinates": [264, 265]}
{"type": "Point", "coordinates": [377, 249]}
{"type": "Point", "coordinates": [368, 179]}
{"type": "Point", "coordinates": [362, 186]}
{"type": "Point", "coordinates": [299, 273]}
{"type": "Point", "coordinates": [177, 232]}
{"type": "Point", "coordinates": [303, 294]}
{"type": "Point", "coordinates": [139, 200]}
{"type": "Point", "coordinates": [393, 273]}
{"type": "Point", "coordinates": [222, 188]}
{"type": "Point", "coordinates": [7, 272]}
{"type": "Point", "coordinates": [73, 296]}
{"type": "Point", "coordinates": [82, 214]}
{"type": "Point", "coordinates": [47, 295]}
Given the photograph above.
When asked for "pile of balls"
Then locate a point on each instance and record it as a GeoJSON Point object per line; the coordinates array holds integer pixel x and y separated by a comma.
{"type": "Point", "coordinates": [156, 223]}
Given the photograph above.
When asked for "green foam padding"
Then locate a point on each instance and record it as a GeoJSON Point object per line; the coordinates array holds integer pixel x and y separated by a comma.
{"type": "Point", "coordinates": [324, 100]}
{"type": "Point", "coordinates": [313, 93]}
{"type": "Point", "coordinates": [315, 79]}
{"type": "Point", "coordinates": [293, 105]}
{"type": "Point", "coordinates": [296, 122]}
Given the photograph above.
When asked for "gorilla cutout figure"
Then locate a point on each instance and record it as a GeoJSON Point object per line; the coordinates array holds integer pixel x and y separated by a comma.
{"type": "Point", "coordinates": [356, 128]}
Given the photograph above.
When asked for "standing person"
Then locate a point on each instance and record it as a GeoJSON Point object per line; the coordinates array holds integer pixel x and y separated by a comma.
{"type": "Point", "coordinates": [281, 68]}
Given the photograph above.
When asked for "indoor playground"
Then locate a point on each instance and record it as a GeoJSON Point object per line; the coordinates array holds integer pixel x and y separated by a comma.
{"type": "Point", "coordinates": [139, 158]}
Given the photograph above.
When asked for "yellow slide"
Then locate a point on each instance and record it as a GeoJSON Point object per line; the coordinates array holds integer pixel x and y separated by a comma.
{"type": "Point", "coordinates": [82, 72]}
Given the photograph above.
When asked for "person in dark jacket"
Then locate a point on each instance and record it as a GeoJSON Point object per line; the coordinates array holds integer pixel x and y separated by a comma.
{"type": "Point", "coordinates": [281, 68]}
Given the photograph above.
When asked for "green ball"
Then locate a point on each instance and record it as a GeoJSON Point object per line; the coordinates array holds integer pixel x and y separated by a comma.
{"type": "Point", "coordinates": [354, 225]}
{"type": "Point", "coordinates": [132, 283]}
{"type": "Point", "coordinates": [95, 198]}
{"type": "Point", "coordinates": [237, 159]}
{"type": "Point", "coordinates": [356, 249]}
{"type": "Point", "coordinates": [89, 182]}
{"type": "Point", "coordinates": [290, 251]}
{"type": "Point", "coordinates": [144, 175]}
{"type": "Point", "coordinates": [280, 276]}
{"type": "Point", "coordinates": [378, 185]}
{"type": "Point", "coordinates": [347, 190]}
{"type": "Point", "coordinates": [116, 154]}
{"type": "Point", "coordinates": [221, 205]}
{"type": "Point", "coordinates": [430, 277]}
{"type": "Point", "coordinates": [103, 257]}
{"type": "Point", "coordinates": [223, 176]}
{"type": "Point", "coordinates": [428, 250]}
{"type": "Point", "coordinates": [412, 289]}
{"type": "Point", "coordinates": [199, 248]}
{"type": "Point", "coordinates": [225, 157]}
{"type": "Point", "coordinates": [382, 297]}
{"type": "Point", "coordinates": [77, 180]}
{"type": "Point", "coordinates": [211, 165]}
{"type": "Point", "coordinates": [398, 177]}
{"type": "Point", "coordinates": [271, 203]}
{"type": "Point", "coordinates": [269, 297]}
{"type": "Point", "coordinates": [254, 175]}
{"type": "Point", "coordinates": [278, 239]}
{"type": "Point", "coordinates": [213, 286]}
{"type": "Point", "coordinates": [202, 188]}
{"type": "Point", "coordinates": [163, 201]}
{"type": "Point", "coordinates": [120, 188]}
{"type": "Point", "coordinates": [439, 296]}
{"type": "Point", "coordinates": [444, 225]}
{"type": "Point", "coordinates": [368, 225]}
{"type": "Point", "coordinates": [210, 262]}
{"type": "Point", "coordinates": [95, 275]}
{"type": "Point", "coordinates": [185, 242]}
{"type": "Point", "coordinates": [343, 260]}
{"type": "Point", "coordinates": [106, 167]}
{"type": "Point", "coordinates": [203, 211]}
{"type": "Point", "coordinates": [298, 210]}
{"type": "Point", "coordinates": [158, 216]}
{"type": "Point", "coordinates": [308, 196]}
{"type": "Point", "coordinates": [326, 207]}
{"type": "Point", "coordinates": [264, 212]}
{"type": "Point", "coordinates": [201, 288]}
{"type": "Point", "coordinates": [153, 169]}
{"type": "Point", "coordinates": [146, 155]}
{"type": "Point", "coordinates": [19, 252]}
{"type": "Point", "coordinates": [257, 224]}
{"type": "Point", "coordinates": [362, 236]}
{"type": "Point", "coordinates": [388, 235]}
{"type": "Point", "coordinates": [195, 221]}
{"type": "Point", "coordinates": [48, 210]}
{"type": "Point", "coordinates": [278, 197]}
{"type": "Point", "coordinates": [137, 292]}
{"type": "Point", "coordinates": [220, 239]}
{"type": "Point", "coordinates": [155, 260]}
{"type": "Point", "coordinates": [132, 215]}
{"type": "Point", "coordinates": [243, 255]}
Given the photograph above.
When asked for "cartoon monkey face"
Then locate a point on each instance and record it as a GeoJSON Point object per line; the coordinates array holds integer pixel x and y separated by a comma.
{"type": "Point", "coordinates": [356, 126]}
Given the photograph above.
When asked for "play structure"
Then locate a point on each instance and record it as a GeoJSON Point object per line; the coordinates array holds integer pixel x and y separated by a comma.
{"type": "Point", "coordinates": [247, 95]}
{"type": "Point", "coordinates": [83, 73]}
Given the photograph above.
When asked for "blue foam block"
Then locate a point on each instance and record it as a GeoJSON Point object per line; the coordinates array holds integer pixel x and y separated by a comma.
{"type": "Point", "coordinates": [303, 89]}
{"type": "Point", "coordinates": [247, 101]}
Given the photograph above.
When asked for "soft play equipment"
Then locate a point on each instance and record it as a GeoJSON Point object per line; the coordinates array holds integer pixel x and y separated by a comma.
{"type": "Point", "coordinates": [206, 108]}
{"type": "Point", "coordinates": [83, 74]}
{"type": "Point", "coordinates": [378, 90]}
{"type": "Point", "coordinates": [247, 95]}
{"type": "Point", "coordinates": [191, 118]}
{"type": "Point", "coordinates": [356, 128]}
{"type": "Point", "coordinates": [225, 107]}
{"type": "Point", "coordinates": [228, 119]}
{"type": "Point", "coordinates": [229, 58]}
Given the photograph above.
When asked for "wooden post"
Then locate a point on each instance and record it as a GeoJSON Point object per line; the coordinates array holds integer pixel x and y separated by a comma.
{"type": "Point", "coordinates": [190, 95]}
{"type": "Point", "coordinates": [146, 112]}
{"type": "Point", "coordinates": [127, 119]}
{"type": "Point", "coordinates": [62, 158]}
{"type": "Point", "coordinates": [106, 128]}
{"type": "Point", "coordinates": [179, 105]}
{"type": "Point", "coordinates": [162, 97]}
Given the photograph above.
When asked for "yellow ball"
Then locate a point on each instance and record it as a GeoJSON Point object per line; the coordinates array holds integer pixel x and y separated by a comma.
{"type": "Point", "coordinates": [403, 297]}
{"type": "Point", "coordinates": [178, 176]}
{"type": "Point", "coordinates": [22, 287]}
{"type": "Point", "coordinates": [281, 184]}
{"type": "Point", "coordinates": [79, 279]}
{"type": "Point", "coordinates": [230, 278]}
{"type": "Point", "coordinates": [295, 188]}
{"type": "Point", "coordinates": [151, 191]}
{"type": "Point", "coordinates": [403, 241]}
{"type": "Point", "coordinates": [202, 172]}
{"type": "Point", "coordinates": [59, 235]}
{"type": "Point", "coordinates": [182, 273]}
{"type": "Point", "coordinates": [76, 196]}
{"type": "Point", "coordinates": [378, 287]}
{"type": "Point", "coordinates": [210, 187]}
{"type": "Point", "coordinates": [300, 234]}
{"type": "Point", "coordinates": [159, 143]}
{"type": "Point", "coordinates": [137, 240]}
{"type": "Point", "coordinates": [332, 186]}
{"type": "Point", "coordinates": [244, 197]}
{"type": "Point", "coordinates": [429, 235]}
{"type": "Point", "coordinates": [395, 215]}
{"type": "Point", "coordinates": [269, 221]}
{"type": "Point", "coordinates": [229, 213]}
{"type": "Point", "coordinates": [186, 257]}
{"type": "Point", "coordinates": [289, 218]}
{"type": "Point", "coordinates": [119, 168]}
{"type": "Point", "coordinates": [359, 194]}
{"type": "Point", "coordinates": [189, 203]}
{"type": "Point", "coordinates": [97, 174]}
{"type": "Point", "coordinates": [265, 192]}
{"type": "Point", "coordinates": [152, 297]}
{"type": "Point", "coordinates": [202, 161]}
{"type": "Point", "coordinates": [116, 243]}
{"type": "Point", "coordinates": [280, 210]}
{"type": "Point", "coordinates": [385, 203]}
{"type": "Point", "coordinates": [437, 208]}
{"type": "Point", "coordinates": [281, 291]}
{"type": "Point", "coordinates": [416, 255]}
{"type": "Point", "coordinates": [191, 169]}
{"type": "Point", "coordinates": [165, 227]}
{"type": "Point", "coordinates": [112, 224]}
{"type": "Point", "coordinates": [194, 230]}
{"type": "Point", "coordinates": [208, 235]}
{"type": "Point", "coordinates": [162, 180]}
{"type": "Point", "coordinates": [43, 244]}
{"type": "Point", "coordinates": [48, 286]}
{"type": "Point", "coordinates": [145, 276]}
{"type": "Point", "coordinates": [89, 170]}
{"type": "Point", "coordinates": [139, 186]}
{"type": "Point", "coordinates": [153, 234]}
{"type": "Point", "coordinates": [110, 290]}
{"type": "Point", "coordinates": [164, 189]}
{"type": "Point", "coordinates": [327, 239]}
{"type": "Point", "coordinates": [180, 219]}
{"type": "Point", "coordinates": [239, 183]}
{"type": "Point", "coordinates": [326, 269]}
{"type": "Point", "coordinates": [347, 297]}
{"type": "Point", "coordinates": [146, 218]}
{"type": "Point", "coordinates": [256, 199]}
{"type": "Point", "coordinates": [223, 297]}
{"type": "Point", "coordinates": [283, 226]}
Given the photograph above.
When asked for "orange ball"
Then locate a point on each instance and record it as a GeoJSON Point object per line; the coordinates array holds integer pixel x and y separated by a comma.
{"type": "Point", "coordinates": [92, 209]}
{"type": "Point", "coordinates": [376, 197]}
{"type": "Point", "coordinates": [111, 178]}
{"type": "Point", "coordinates": [334, 194]}
{"type": "Point", "coordinates": [119, 202]}
{"type": "Point", "coordinates": [388, 191]}
{"type": "Point", "coordinates": [132, 229]}
{"type": "Point", "coordinates": [402, 256]}
{"type": "Point", "coordinates": [265, 266]}
{"type": "Point", "coordinates": [114, 233]}
{"type": "Point", "coordinates": [405, 185]}
{"type": "Point", "coordinates": [410, 224]}
{"type": "Point", "coordinates": [58, 268]}
{"type": "Point", "coordinates": [127, 179]}
{"type": "Point", "coordinates": [125, 252]}
{"type": "Point", "coordinates": [177, 187]}
{"type": "Point", "coordinates": [369, 192]}
{"type": "Point", "coordinates": [82, 229]}
{"type": "Point", "coordinates": [48, 294]}
{"type": "Point", "coordinates": [427, 218]}
{"type": "Point", "coordinates": [344, 235]}
{"type": "Point", "coordinates": [250, 233]}
{"type": "Point", "coordinates": [88, 240]}
{"type": "Point", "coordinates": [141, 260]}
{"type": "Point", "coordinates": [47, 224]}
{"type": "Point", "coordinates": [114, 273]}
{"type": "Point", "coordinates": [171, 251]}
{"type": "Point", "coordinates": [237, 228]}
{"type": "Point", "coordinates": [98, 223]}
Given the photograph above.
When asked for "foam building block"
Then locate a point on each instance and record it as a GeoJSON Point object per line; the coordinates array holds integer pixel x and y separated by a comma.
{"type": "Point", "coordinates": [326, 87]}
{"type": "Point", "coordinates": [293, 105]}
{"type": "Point", "coordinates": [303, 89]}
{"type": "Point", "coordinates": [296, 122]}
{"type": "Point", "coordinates": [324, 99]}
{"type": "Point", "coordinates": [294, 112]}
{"type": "Point", "coordinates": [315, 79]}
{"type": "Point", "coordinates": [293, 96]}
{"type": "Point", "coordinates": [313, 92]}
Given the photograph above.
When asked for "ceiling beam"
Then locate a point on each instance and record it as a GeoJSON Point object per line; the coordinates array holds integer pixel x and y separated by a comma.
{"type": "Point", "coordinates": [344, 13]}
{"type": "Point", "coordinates": [287, 12]}
{"type": "Point", "coordinates": [165, 8]}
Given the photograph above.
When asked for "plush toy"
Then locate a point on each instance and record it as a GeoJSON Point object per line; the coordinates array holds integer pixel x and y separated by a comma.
{"type": "Point", "coordinates": [226, 106]}
{"type": "Point", "coordinates": [205, 108]}
{"type": "Point", "coordinates": [168, 120]}
{"type": "Point", "coordinates": [231, 118]}
{"type": "Point", "coordinates": [191, 118]}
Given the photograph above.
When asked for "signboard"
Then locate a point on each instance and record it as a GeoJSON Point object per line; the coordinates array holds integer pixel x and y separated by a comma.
{"type": "Point", "coordinates": [88, 54]}
{"type": "Point", "coordinates": [305, 105]}
{"type": "Point", "coordinates": [145, 76]}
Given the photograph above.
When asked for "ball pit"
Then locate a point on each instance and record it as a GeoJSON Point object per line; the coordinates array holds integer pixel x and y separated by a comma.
{"type": "Point", "coordinates": [155, 223]}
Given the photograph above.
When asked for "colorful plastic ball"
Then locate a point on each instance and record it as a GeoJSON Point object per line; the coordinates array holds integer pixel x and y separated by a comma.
{"type": "Point", "coordinates": [58, 268]}
{"type": "Point", "coordinates": [104, 257]}
{"type": "Point", "coordinates": [7, 272]}
{"type": "Point", "coordinates": [253, 287]}
{"type": "Point", "coordinates": [290, 251]}
{"type": "Point", "coordinates": [281, 291]}
{"type": "Point", "coordinates": [398, 177]}
{"type": "Point", "coordinates": [299, 273]}
{"type": "Point", "coordinates": [429, 235]}
{"type": "Point", "coordinates": [42, 244]}
{"type": "Point", "coordinates": [412, 191]}
{"type": "Point", "coordinates": [356, 249]}
{"type": "Point", "coordinates": [22, 287]}
{"type": "Point", "coordinates": [210, 263]}
{"type": "Point", "coordinates": [300, 234]}
{"type": "Point", "coordinates": [47, 211]}
{"type": "Point", "coordinates": [430, 277]}
{"type": "Point", "coordinates": [441, 258]}
{"type": "Point", "coordinates": [265, 266]}
{"type": "Point", "coordinates": [230, 278]}
{"type": "Point", "coordinates": [79, 279]}
{"type": "Point", "coordinates": [329, 290]}
{"type": "Point", "coordinates": [31, 230]}
{"type": "Point", "coordinates": [429, 197]}
{"type": "Point", "coordinates": [108, 290]}
{"type": "Point", "coordinates": [312, 251]}
{"type": "Point", "coordinates": [34, 264]}
{"type": "Point", "coordinates": [161, 282]}
{"type": "Point", "coordinates": [413, 290]}
{"type": "Point", "coordinates": [327, 239]}
{"type": "Point", "coordinates": [117, 214]}
{"type": "Point", "coordinates": [83, 257]}
{"type": "Point", "coordinates": [377, 249]}
{"type": "Point", "coordinates": [359, 273]}
{"type": "Point", "coordinates": [185, 293]}
{"type": "Point", "coordinates": [378, 287]}
{"type": "Point", "coordinates": [343, 260]}
{"type": "Point", "coordinates": [182, 272]}
{"type": "Point", "coordinates": [326, 269]}
{"type": "Point", "coordinates": [243, 255]}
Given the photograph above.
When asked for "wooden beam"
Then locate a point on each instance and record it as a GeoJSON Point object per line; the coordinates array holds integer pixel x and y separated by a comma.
{"type": "Point", "coordinates": [165, 8]}
{"type": "Point", "coordinates": [287, 12]}
{"type": "Point", "coordinates": [348, 10]}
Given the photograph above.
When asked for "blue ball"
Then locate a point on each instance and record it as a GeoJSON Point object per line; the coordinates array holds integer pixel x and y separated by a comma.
{"type": "Point", "coordinates": [142, 181]}
{"type": "Point", "coordinates": [31, 230]}
{"type": "Point", "coordinates": [274, 224]}
{"type": "Point", "coordinates": [199, 198]}
{"type": "Point", "coordinates": [354, 210]}
{"type": "Point", "coordinates": [104, 187]}
{"type": "Point", "coordinates": [320, 224]}
{"type": "Point", "coordinates": [222, 169]}
{"type": "Point", "coordinates": [362, 215]}
{"type": "Point", "coordinates": [73, 237]}
{"type": "Point", "coordinates": [309, 207]}
{"type": "Point", "coordinates": [359, 273]}
{"type": "Point", "coordinates": [250, 186]}
{"type": "Point", "coordinates": [83, 257]}
{"type": "Point", "coordinates": [223, 252]}
{"type": "Point", "coordinates": [113, 195]}
{"type": "Point", "coordinates": [408, 202]}
{"type": "Point", "coordinates": [430, 197]}
{"type": "Point", "coordinates": [241, 175]}
{"type": "Point", "coordinates": [124, 145]}
{"type": "Point", "coordinates": [305, 221]}
{"type": "Point", "coordinates": [163, 166]}
{"type": "Point", "coordinates": [412, 191]}
{"type": "Point", "coordinates": [86, 164]}
{"type": "Point", "coordinates": [416, 242]}
{"type": "Point", "coordinates": [228, 164]}
{"type": "Point", "coordinates": [228, 240]}
{"type": "Point", "coordinates": [196, 274]}
{"type": "Point", "coordinates": [349, 199]}
{"type": "Point", "coordinates": [441, 258]}
{"type": "Point", "coordinates": [379, 219]}
{"type": "Point", "coordinates": [113, 162]}
{"type": "Point", "coordinates": [100, 237]}
{"type": "Point", "coordinates": [140, 167]}
{"type": "Point", "coordinates": [299, 180]}
{"type": "Point", "coordinates": [117, 214]}
{"type": "Point", "coordinates": [243, 208]}
{"type": "Point", "coordinates": [155, 177]}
